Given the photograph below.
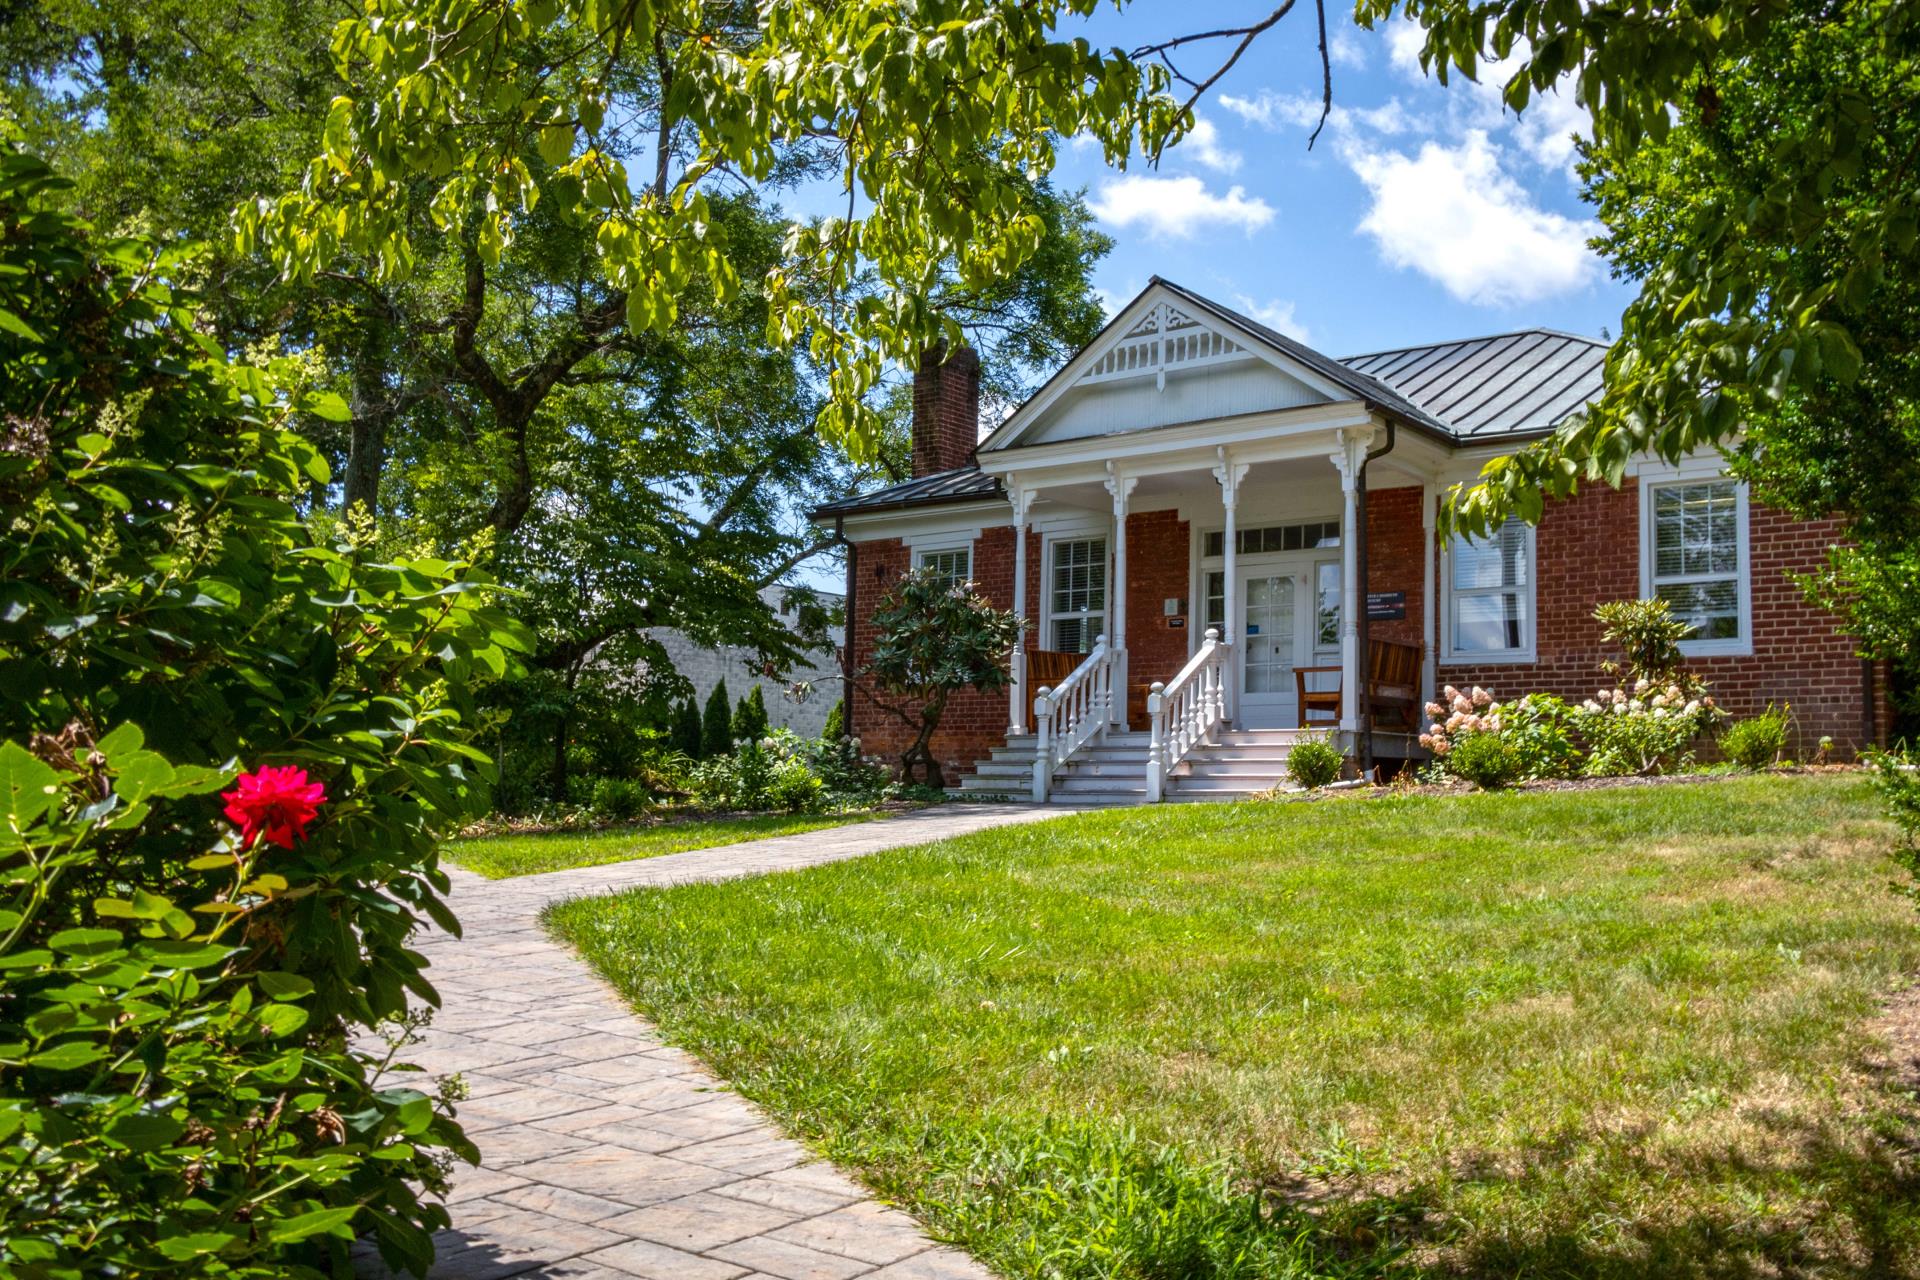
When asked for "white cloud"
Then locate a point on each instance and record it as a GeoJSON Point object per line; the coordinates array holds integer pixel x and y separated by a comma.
{"type": "Point", "coordinates": [1202, 144]}
{"type": "Point", "coordinates": [1271, 110]}
{"type": "Point", "coordinates": [1547, 127]}
{"type": "Point", "coordinates": [1276, 314]}
{"type": "Point", "coordinates": [1177, 208]}
{"type": "Point", "coordinates": [1347, 48]}
{"type": "Point", "coordinates": [1455, 215]}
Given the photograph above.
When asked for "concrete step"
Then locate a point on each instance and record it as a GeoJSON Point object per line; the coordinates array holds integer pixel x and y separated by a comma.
{"type": "Point", "coordinates": [1253, 770]}
{"type": "Point", "coordinates": [997, 768]}
{"type": "Point", "coordinates": [1216, 788]}
{"type": "Point", "coordinates": [1069, 785]}
{"type": "Point", "coordinates": [1104, 769]}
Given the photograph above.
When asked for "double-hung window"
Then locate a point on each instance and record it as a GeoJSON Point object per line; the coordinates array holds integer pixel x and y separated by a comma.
{"type": "Point", "coordinates": [949, 568]}
{"type": "Point", "coordinates": [1077, 605]}
{"type": "Point", "coordinates": [1696, 559]}
{"type": "Point", "coordinates": [1490, 594]}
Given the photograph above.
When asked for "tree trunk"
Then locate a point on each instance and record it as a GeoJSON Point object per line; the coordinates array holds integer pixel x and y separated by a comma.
{"type": "Point", "coordinates": [371, 403]}
{"type": "Point", "coordinates": [557, 777]}
{"type": "Point", "coordinates": [921, 752]}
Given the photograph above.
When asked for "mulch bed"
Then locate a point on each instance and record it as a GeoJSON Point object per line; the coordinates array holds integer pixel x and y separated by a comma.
{"type": "Point", "coordinates": [1562, 784]}
{"type": "Point", "coordinates": [677, 817]}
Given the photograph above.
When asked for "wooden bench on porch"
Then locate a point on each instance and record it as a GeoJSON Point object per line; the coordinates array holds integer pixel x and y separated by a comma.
{"type": "Point", "coordinates": [1046, 668]}
{"type": "Point", "coordinates": [1393, 687]}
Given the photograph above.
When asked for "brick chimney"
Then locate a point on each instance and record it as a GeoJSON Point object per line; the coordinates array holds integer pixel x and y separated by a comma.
{"type": "Point", "coordinates": [946, 410]}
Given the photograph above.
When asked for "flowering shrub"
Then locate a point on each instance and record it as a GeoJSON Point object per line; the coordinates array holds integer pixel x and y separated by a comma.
{"type": "Point", "coordinates": [1647, 729]}
{"type": "Point", "coordinates": [1484, 759]}
{"type": "Point", "coordinates": [1535, 734]}
{"type": "Point", "coordinates": [764, 773]}
{"type": "Point", "coordinates": [1896, 776]}
{"type": "Point", "coordinates": [181, 973]}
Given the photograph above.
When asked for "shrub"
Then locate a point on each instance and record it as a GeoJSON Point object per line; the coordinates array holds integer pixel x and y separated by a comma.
{"type": "Point", "coordinates": [620, 799]}
{"type": "Point", "coordinates": [1649, 730]}
{"type": "Point", "coordinates": [1537, 731]}
{"type": "Point", "coordinates": [1896, 776]}
{"type": "Point", "coordinates": [685, 732]}
{"type": "Point", "coordinates": [1484, 759]}
{"type": "Point", "coordinates": [750, 717]}
{"type": "Point", "coordinates": [836, 722]}
{"type": "Point", "coordinates": [179, 1093]}
{"type": "Point", "coordinates": [1314, 762]}
{"type": "Point", "coordinates": [1649, 635]}
{"type": "Point", "coordinates": [716, 725]}
{"type": "Point", "coordinates": [794, 787]}
{"type": "Point", "coordinates": [1759, 741]}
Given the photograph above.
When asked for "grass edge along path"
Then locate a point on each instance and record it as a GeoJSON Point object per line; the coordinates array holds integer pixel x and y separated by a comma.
{"type": "Point", "coordinates": [1600, 1034]}
{"type": "Point", "coordinates": [505, 856]}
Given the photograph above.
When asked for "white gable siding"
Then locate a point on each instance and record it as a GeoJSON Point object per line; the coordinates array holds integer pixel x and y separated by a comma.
{"type": "Point", "coordinates": [1217, 391]}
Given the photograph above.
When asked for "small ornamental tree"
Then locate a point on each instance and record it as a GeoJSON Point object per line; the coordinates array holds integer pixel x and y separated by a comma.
{"type": "Point", "coordinates": [716, 725]}
{"type": "Point", "coordinates": [232, 737]}
{"type": "Point", "coordinates": [935, 638]}
{"type": "Point", "coordinates": [1650, 636]}
{"type": "Point", "coordinates": [684, 737]}
{"type": "Point", "coordinates": [750, 717]}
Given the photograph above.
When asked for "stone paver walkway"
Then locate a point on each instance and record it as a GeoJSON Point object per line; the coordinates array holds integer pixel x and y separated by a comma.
{"type": "Point", "coordinates": [606, 1154]}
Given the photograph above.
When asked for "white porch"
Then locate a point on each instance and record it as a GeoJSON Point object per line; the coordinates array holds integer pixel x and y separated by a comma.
{"type": "Point", "coordinates": [1268, 602]}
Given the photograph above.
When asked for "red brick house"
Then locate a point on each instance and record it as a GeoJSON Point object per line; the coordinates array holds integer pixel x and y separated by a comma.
{"type": "Point", "coordinates": [1184, 515]}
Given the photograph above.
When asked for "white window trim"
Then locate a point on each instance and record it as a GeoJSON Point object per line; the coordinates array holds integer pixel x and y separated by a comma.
{"type": "Point", "coordinates": [1047, 544]}
{"type": "Point", "coordinates": [1528, 652]}
{"type": "Point", "coordinates": [1660, 478]}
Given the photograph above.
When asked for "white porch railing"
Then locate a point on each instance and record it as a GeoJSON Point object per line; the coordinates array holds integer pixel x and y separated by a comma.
{"type": "Point", "coordinates": [1065, 717]}
{"type": "Point", "coordinates": [1185, 711]}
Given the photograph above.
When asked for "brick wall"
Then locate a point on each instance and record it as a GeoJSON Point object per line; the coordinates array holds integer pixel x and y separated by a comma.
{"type": "Point", "coordinates": [1396, 542]}
{"type": "Point", "coordinates": [1588, 551]}
{"type": "Point", "coordinates": [1158, 546]}
{"type": "Point", "coordinates": [946, 410]}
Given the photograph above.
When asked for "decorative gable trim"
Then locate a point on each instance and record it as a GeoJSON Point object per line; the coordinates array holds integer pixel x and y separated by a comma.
{"type": "Point", "coordinates": [1165, 338]}
{"type": "Point", "coordinates": [1157, 331]}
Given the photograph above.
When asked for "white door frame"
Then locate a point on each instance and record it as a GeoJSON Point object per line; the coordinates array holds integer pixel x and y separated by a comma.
{"type": "Point", "coordinates": [1301, 566]}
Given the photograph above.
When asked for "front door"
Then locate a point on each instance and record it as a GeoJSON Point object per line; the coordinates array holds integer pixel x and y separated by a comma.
{"type": "Point", "coordinates": [1289, 617]}
{"type": "Point", "coordinates": [1270, 627]}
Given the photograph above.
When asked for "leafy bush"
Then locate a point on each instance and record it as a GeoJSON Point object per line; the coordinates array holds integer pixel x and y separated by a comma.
{"type": "Point", "coordinates": [684, 734]}
{"type": "Point", "coordinates": [1648, 634]}
{"type": "Point", "coordinates": [750, 716]}
{"type": "Point", "coordinates": [836, 722]}
{"type": "Point", "coordinates": [620, 799]}
{"type": "Point", "coordinates": [1896, 776]}
{"type": "Point", "coordinates": [1536, 732]}
{"type": "Point", "coordinates": [177, 1090]}
{"type": "Point", "coordinates": [1484, 759]}
{"type": "Point", "coordinates": [716, 724]}
{"type": "Point", "coordinates": [1759, 741]}
{"type": "Point", "coordinates": [1314, 762]}
{"type": "Point", "coordinates": [1649, 730]}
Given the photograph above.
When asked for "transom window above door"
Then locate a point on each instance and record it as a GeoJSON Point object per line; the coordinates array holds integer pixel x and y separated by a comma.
{"type": "Point", "coordinates": [1077, 604]}
{"type": "Point", "coordinates": [1277, 537]}
{"type": "Point", "coordinates": [949, 568]}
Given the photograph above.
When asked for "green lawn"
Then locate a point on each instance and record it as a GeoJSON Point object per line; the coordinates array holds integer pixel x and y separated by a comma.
{"type": "Point", "coordinates": [1609, 1033]}
{"type": "Point", "coordinates": [497, 857]}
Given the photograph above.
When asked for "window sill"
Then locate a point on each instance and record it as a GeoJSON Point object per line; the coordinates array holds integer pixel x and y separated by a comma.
{"type": "Point", "coordinates": [1492, 658]}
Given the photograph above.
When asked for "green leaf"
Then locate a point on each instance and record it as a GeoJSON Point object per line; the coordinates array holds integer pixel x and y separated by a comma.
{"type": "Point", "coordinates": [321, 1221]}
{"type": "Point", "coordinates": [70, 1056]}
{"type": "Point", "coordinates": [185, 1248]}
{"type": "Point", "coordinates": [28, 787]}
{"type": "Point", "coordinates": [282, 986]}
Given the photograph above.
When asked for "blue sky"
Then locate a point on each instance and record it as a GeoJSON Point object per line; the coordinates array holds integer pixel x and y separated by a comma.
{"type": "Point", "coordinates": [1422, 212]}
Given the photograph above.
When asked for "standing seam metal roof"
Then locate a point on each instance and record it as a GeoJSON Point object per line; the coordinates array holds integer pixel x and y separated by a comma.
{"type": "Point", "coordinates": [1473, 389]}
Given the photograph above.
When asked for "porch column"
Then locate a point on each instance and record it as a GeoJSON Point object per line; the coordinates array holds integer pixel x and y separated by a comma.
{"type": "Point", "coordinates": [1022, 498]}
{"type": "Point", "coordinates": [1353, 449]}
{"type": "Point", "coordinates": [1121, 487]}
{"type": "Point", "coordinates": [1229, 473]}
{"type": "Point", "coordinates": [1429, 598]}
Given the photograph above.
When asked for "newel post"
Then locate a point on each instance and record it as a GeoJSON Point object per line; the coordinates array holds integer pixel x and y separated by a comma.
{"type": "Point", "coordinates": [1156, 741]}
{"type": "Point", "coordinates": [1042, 749]}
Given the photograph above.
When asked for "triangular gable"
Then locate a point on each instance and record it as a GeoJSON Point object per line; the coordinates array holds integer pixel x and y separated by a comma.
{"type": "Point", "coordinates": [1157, 335]}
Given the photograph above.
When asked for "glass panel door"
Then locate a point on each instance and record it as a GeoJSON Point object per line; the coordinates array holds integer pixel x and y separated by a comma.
{"type": "Point", "coordinates": [1269, 636]}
